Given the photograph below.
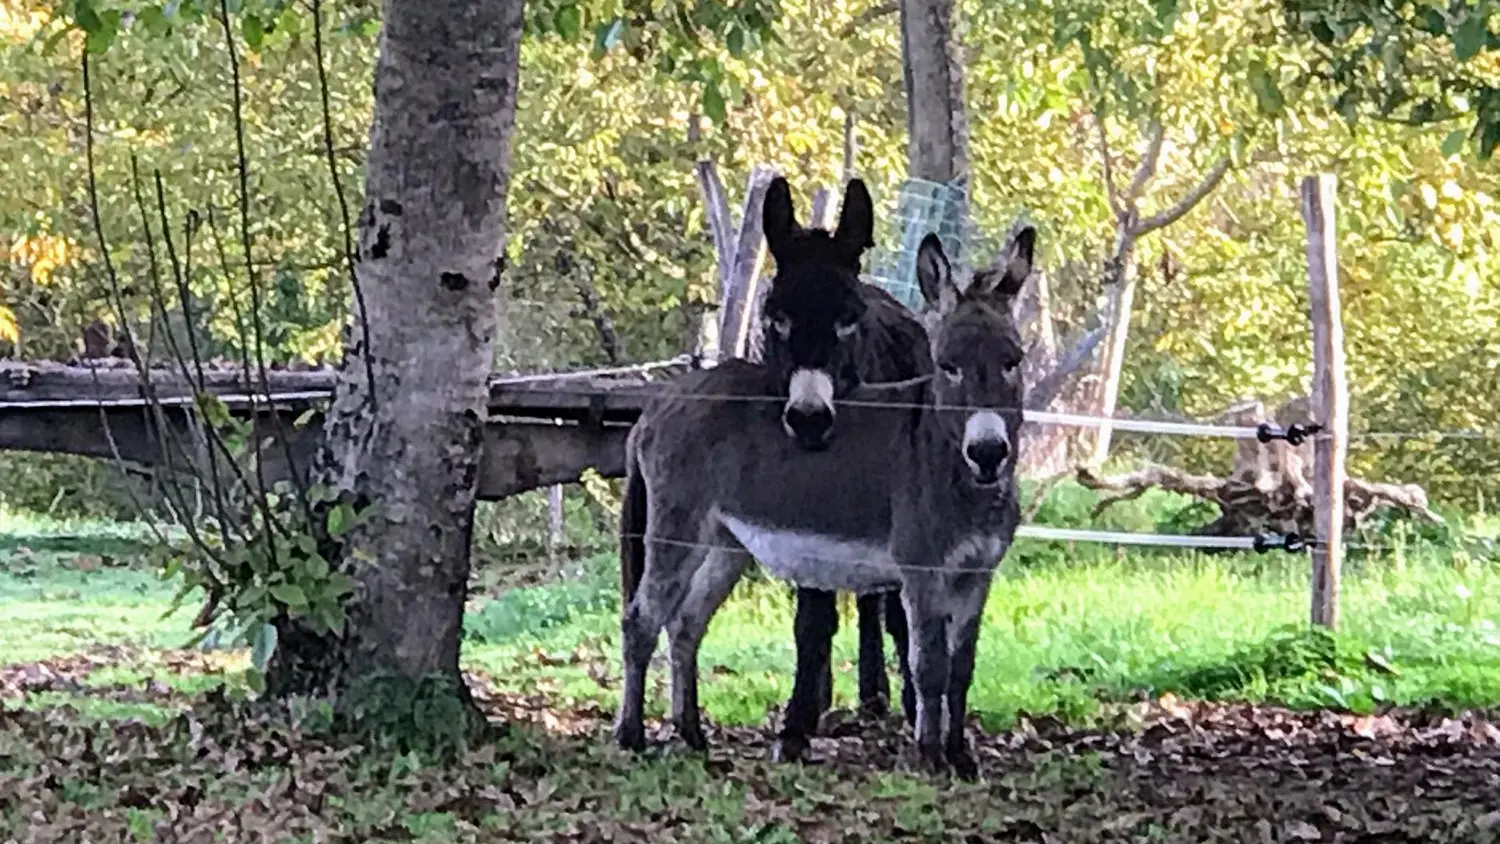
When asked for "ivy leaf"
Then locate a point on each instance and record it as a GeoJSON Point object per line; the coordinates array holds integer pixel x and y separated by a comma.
{"type": "Point", "coordinates": [254, 31]}
{"type": "Point", "coordinates": [1470, 36]}
{"type": "Point", "coordinates": [735, 41]}
{"type": "Point", "coordinates": [568, 21]}
{"type": "Point", "coordinates": [713, 102]}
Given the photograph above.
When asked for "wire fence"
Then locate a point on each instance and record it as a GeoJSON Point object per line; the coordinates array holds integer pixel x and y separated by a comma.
{"type": "Point", "coordinates": [566, 383]}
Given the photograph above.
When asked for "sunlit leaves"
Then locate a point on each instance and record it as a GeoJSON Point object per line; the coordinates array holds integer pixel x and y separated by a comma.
{"type": "Point", "coordinates": [1421, 61]}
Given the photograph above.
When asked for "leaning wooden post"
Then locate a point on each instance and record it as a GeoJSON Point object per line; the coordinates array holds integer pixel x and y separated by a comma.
{"type": "Point", "coordinates": [1330, 396]}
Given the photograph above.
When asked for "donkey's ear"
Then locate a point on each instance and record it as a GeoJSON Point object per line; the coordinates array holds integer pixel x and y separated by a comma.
{"type": "Point", "coordinates": [777, 218]}
{"type": "Point", "coordinates": [1011, 268]}
{"type": "Point", "coordinates": [934, 275]}
{"type": "Point", "coordinates": [856, 229]}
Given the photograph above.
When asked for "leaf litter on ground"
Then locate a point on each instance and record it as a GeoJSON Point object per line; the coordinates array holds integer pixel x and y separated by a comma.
{"type": "Point", "coordinates": [1161, 770]}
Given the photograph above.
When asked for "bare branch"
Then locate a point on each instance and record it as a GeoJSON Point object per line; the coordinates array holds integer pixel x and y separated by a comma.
{"type": "Point", "coordinates": [1156, 134]}
{"type": "Point", "coordinates": [1188, 202]}
{"type": "Point", "coordinates": [1041, 394]}
{"type": "Point", "coordinates": [1111, 190]}
{"type": "Point", "coordinates": [347, 228]}
{"type": "Point", "coordinates": [1133, 484]}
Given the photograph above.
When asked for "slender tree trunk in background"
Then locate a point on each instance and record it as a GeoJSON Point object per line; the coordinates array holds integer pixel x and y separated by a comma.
{"type": "Point", "coordinates": [937, 128]}
{"type": "Point", "coordinates": [430, 259]}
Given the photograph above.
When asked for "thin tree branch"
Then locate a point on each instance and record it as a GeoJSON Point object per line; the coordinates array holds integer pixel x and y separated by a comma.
{"type": "Point", "coordinates": [1188, 202]}
{"type": "Point", "coordinates": [1111, 190]}
{"type": "Point", "coordinates": [1155, 134]}
{"type": "Point", "coordinates": [1041, 394]}
{"type": "Point", "coordinates": [338, 191]}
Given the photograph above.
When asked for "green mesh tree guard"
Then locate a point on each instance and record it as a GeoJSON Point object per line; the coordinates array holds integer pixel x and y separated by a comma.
{"type": "Point", "coordinates": [921, 207]}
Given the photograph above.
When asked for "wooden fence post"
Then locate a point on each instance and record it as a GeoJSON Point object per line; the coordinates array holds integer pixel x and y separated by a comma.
{"type": "Point", "coordinates": [1330, 396]}
{"type": "Point", "coordinates": [737, 291]}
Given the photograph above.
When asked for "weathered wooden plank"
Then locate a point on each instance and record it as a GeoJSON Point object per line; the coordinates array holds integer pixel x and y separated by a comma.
{"type": "Point", "coordinates": [33, 385]}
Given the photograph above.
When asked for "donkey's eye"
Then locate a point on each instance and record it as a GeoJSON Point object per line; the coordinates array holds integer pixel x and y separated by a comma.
{"type": "Point", "coordinates": [782, 326]}
{"type": "Point", "coordinates": [951, 372]}
{"type": "Point", "coordinates": [846, 330]}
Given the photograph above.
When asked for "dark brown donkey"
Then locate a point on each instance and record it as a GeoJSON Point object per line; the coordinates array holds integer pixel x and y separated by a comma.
{"type": "Point", "coordinates": [915, 492]}
{"type": "Point", "coordinates": [807, 343]}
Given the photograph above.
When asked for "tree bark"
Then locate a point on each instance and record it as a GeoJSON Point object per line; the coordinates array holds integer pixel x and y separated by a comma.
{"type": "Point", "coordinates": [407, 438]}
{"type": "Point", "coordinates": [937, 128]}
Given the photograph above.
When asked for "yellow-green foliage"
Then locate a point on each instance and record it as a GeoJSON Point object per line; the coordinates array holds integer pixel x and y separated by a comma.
{"type": "Point", "coordinates": [604, 195]}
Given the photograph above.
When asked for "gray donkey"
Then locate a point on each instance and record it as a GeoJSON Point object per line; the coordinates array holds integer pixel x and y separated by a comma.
{"type": "Point", "coordinates": [916, 492]}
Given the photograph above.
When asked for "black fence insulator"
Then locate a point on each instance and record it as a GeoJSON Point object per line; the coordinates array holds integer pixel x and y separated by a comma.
{"type": "Point", "coordinates": [1295, 434]}
{"type": "Point", "coordinates": [1291, 543]}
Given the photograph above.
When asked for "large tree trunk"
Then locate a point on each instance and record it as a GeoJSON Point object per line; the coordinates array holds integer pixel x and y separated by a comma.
{"type": "Point", "coordinates": [405, 428]}
{"type": "Point", "coordinates": [936, 126]}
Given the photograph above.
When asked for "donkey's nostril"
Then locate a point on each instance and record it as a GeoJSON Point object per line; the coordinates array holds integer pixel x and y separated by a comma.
{"type": "Point", "coordinates": [987, 454]}
{"type": "Point", "coordinates": [809, 426]}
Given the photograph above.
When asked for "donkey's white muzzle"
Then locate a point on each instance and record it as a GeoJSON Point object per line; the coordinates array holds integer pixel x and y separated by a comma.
{"type": "Point", "coordinates": [986, 445]}
{"type": "Point", "coordinates": [808, 416]}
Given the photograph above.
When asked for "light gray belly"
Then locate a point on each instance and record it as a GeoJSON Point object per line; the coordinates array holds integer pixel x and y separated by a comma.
{"type": "Point", "coordinates": [813, 561]}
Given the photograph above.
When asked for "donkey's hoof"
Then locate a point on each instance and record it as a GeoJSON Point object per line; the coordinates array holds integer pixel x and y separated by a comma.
{"type": "Point", "coordinates": [630, 736]}
{"type": "Point", "coordinates": [964, 765]}
{"type": "Point", "coordinates": [875, 708]}
{"type": "Point", "coordinates": [932, 760]}
{"type": "Point", "coordinates": [790, 748]}
{"type": "Point", "coordinates": [692, 736]}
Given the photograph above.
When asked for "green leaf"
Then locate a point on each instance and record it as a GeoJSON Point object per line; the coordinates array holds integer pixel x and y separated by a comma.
{"type": "Point", "coordinates": [254, 31]}
{"type": "Point", "coordinates": [1433, 22]}
{"type": "Point", "coordinates": [340, 519]}
{"type": "Point", "coordinates": [290, 594]}
{"type": "Point", "coordinates": [316, 566]}
{"type": "Point", "coordinates": [250, 597]}
{"type": "Point", "coordinates": [1267, 94]}
{"type": "Point", "coordinates": [1470, 36]}
{"type": "Point", "coordinates": [713, 102]}
{"type": "Point", "coordinates": [608, 35]}
{"type": "Point", "coordinates": [262, 645]}
{"type": "Point", "coordinates": [735, 41]}
{"type": "Point", "coordinates": [1454, 143]}
{"type": "Point", "coordinates": [99, 40]}
{"type": "Point", "coordinates": [154, 20]}
{"type": "Point", "coordinates": [86, 17]}
{"type": "Point", "coordinates": [256, 680]}
{"type": "Point", "coordinates": [1489, 138]}
{"type": "Point", "coordinates": [339, 585]}
{"type": "Point", "coordinates": [568, 21]}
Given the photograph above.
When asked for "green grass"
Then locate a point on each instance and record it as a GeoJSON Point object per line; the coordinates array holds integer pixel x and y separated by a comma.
{"type": "Point", "coordinates": [1061, 638]}
{"type": "Point", "coordinates": [1065, 629]}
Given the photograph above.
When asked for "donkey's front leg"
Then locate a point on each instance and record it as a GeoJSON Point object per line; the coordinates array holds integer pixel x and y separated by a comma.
{"type": "Point", "coordinates": [968, 599]}
{"type": "Point", "coordinates": [927, 622]}
{"type": "Point", "coordinates": [817, 621]}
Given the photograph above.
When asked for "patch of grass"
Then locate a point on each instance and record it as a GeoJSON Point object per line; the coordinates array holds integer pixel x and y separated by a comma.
{"type": "Point", "coordinates": [1067, 628]}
